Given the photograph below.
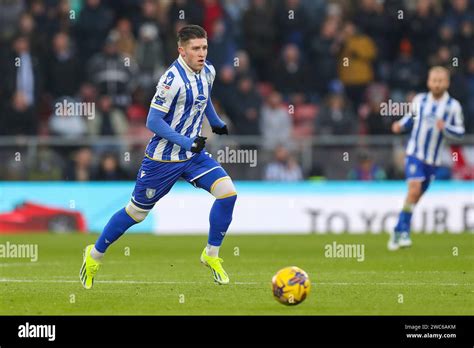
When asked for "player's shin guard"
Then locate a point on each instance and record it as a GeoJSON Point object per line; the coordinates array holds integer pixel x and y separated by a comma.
{"type": "Point", "coordinates": [220, 219]}
{"type": "Point", "coordinates": [117, 225]}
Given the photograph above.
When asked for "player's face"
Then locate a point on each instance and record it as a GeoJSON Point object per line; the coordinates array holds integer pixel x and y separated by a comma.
{"type": "Point", "coordinates": [194, 53]}
{"type": "Point", "coordinates": [438, 82]}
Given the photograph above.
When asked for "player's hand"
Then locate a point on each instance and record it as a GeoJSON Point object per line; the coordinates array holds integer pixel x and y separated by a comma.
{"type": "Point", "coordinates": [396, 127]}
{"type": "Point", "coordinates": [220, 131]}
{"type": "Point", "coordinates": [198, 144]}
{"type": "Point", "coordinates": [440, 124]}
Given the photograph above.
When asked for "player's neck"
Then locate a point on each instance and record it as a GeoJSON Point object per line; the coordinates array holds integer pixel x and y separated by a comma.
{"type": "Point", "coordinates": [187, 65]}
{"type": "Point", "coordinates": [438, 96]}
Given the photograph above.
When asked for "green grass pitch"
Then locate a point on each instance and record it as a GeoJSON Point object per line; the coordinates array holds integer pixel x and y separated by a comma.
{"type": "Point", "coordinates": [162, 275]}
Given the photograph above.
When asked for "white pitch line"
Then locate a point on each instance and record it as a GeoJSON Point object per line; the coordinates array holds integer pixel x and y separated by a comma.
{"type": "Point", "coordinates": [6, 280]}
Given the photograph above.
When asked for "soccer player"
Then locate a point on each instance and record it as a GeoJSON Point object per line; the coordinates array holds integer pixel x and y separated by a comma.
{"type": "Point", "coordinates": [434, 116]}
{"type": "Point", "coordinates": [182, 98]}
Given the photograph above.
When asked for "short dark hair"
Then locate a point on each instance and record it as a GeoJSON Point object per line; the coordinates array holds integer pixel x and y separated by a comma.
{"type": "Point", "coordinates": [189, 32]}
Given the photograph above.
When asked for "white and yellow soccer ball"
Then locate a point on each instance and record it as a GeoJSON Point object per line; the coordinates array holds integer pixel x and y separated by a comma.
{"type": "Point", "coordinates": [291, 285]}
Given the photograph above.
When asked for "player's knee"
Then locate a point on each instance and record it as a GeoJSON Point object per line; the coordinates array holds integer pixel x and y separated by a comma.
{"type": "Point", "coordinates": [136, 213]}
{"type": "Point", "coordinates": [224, 188]}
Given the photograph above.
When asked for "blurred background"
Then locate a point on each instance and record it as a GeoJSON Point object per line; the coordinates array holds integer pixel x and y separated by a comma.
{"type": "Point", "coordinates": [280, 83]}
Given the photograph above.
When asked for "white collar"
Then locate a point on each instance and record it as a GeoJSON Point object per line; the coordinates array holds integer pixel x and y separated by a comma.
{"type": "Point", "coordinates": [443, 98]}
{"type": "Point", "coordinates": [186, 66]}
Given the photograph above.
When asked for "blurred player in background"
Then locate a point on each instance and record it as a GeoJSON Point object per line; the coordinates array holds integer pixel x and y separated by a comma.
{"type": "Point", "coordinates": [434, 116]}
{"type": "Point", "coordinates": [182, 98]}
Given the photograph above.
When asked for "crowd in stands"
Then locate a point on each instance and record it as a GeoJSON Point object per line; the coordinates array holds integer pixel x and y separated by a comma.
{"type": "Point", "coordinates": [296, 68]}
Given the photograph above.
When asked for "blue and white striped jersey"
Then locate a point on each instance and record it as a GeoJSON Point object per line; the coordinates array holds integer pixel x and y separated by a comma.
{"type": "Point", "coordinates": [426, 140]}
{"type": "Point", "coordinates": [182, 94]}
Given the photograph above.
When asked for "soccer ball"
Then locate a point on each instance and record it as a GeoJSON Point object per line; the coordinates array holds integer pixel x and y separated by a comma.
{"type": "Point", "coordinates": [291, 285]}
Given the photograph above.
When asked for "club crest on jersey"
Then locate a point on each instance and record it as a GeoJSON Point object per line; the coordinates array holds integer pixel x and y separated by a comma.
{"type": "Point", "coordinates": [200, 102]}
{"type": "Point", "coordinates": [150, 193]}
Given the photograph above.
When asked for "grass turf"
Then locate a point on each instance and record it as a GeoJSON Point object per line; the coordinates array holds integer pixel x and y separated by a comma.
{"type": "Point", "coordinates": [161, 275]}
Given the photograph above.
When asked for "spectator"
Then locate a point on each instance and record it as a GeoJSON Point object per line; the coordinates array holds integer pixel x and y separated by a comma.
{"type": "Point", "coordinates": [171, 47]}
{"type": "Point", "coordinates": [283, 168]}
{"type": "Point", "coordinates": [355, 62]}
{"type": "Point", "coordinates": [63, 76]}
{"type": "Point", "coordinates": [88, 93]}
{"type": "Point", "coordinates": [66, 120]}
{"type": "Point", "coordinates": [324, 49]}
{"type": "Point", "coordinates": [336, 117]}
{"type": "Point", "coordinates": [212, 12]}
{"type": "Point", "coordinates": [47, 165]}
{"type": "Point", "coordinates": [459, 14]}
{"type": "Point", "coordinates": [290, 74]}
{"type": "Point", "coordinates": [291, 22]}
{"type": "Point", "coordinates": [243, 67]}
{"type": "Point", "coordinates": [150, 56]}
{"type": "Point", "coordinates": [371, 19]}
{"type": "Point", "coordinates": [108, 120]}
{"type": "Point", "coordinates": [148, 15]}
{"type": "Point", "coordinates": [10, 12]}
{"type": "Point", "coordinates": [466, 39]}
{"type": "Point", "coordinates": [366, 170]}
{"type": "Point", "coordinates": [80, 168]}
{"type": "Point", "coordinates": [447, 38]}
{"type": "Point", "coordinates": [126, 43]}
{"type": "Point", "coordinates": [37, 39]}
{"type": "Point", "coordinates": [225, 88]}
{"type": "Point", "coordinates": [407, 72]}
{"type": "Point", "coordinates": [259, 34]}
{"type": "Point", "coordinates": [189, 10]}
{"type": "Point", "coordinates": [421, 26]}
{"type": "Point", "coordinates": [221, 46]}
{"type": "Point", "coordinates": [112, 73]}
{"type": "Point", "coordinates": [245, 110]}
{"type": "Point", "coordinates": [20, 89]}
{"type": "Point", "coordinates": [92, 27]}
{"type": "Point", "coordinates": [109, 169]}
{"type": "Point", "coordinates": [275, 120]}
{"type": "Point", "coordinates": [372, 121]}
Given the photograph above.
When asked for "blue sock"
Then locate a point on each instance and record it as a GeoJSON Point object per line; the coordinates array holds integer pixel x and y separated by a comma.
{"type": "Point", "coordinates": [220, 219]}
{"type": "Point", "coordinates": [404, 222]}
{"type": "Point", "coordinates": [117, 225]}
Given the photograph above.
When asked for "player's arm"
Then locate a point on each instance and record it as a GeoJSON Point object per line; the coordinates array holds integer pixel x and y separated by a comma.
{"type": "Point", "coordinates": [406, 122]}
{"type": "Point", "coordinates": [455, 127]}
{"type": "Point", "coordinates": [157, 125]}
{"type": "Point", "coordinates": [218, 126]}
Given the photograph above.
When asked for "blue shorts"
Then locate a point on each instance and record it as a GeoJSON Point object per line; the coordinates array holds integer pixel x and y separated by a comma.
{"type": "Point", "coordinates": [416, 169]}
{"type": "Point", "coordinates": [155, 179]}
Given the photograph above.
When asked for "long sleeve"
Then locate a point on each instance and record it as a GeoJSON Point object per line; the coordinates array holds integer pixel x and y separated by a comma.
{"type": "Point", "coordinates": [454, 128]}
{"type": "Point", "coordinates": [212, 116]}
{"type": "Point", "coordinates": [157, 125]}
